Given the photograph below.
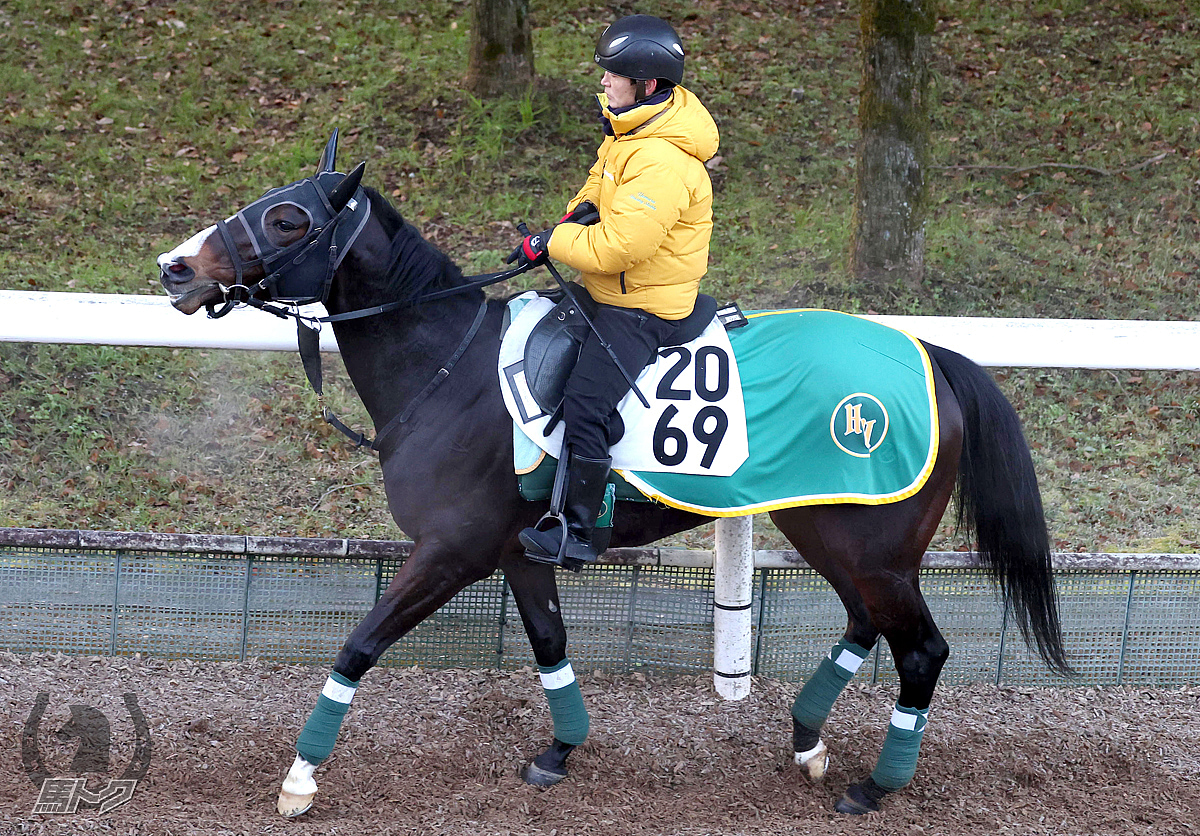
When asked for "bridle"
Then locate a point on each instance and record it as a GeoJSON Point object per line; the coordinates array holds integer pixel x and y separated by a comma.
{"type": "Point", "coordinates": [296, 275]}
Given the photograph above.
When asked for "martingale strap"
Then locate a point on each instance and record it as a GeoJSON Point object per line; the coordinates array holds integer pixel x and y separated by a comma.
{"type": "Point", "coordinates": [441, 375]}
{"type": "Point", "coordinates": [308, 341]}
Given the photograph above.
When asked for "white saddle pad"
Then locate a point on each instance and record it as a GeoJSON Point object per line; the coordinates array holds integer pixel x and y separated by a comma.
{"type": "Point", "coordinates": [696, 422]}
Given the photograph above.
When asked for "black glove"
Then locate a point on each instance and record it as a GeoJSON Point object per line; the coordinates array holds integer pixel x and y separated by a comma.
{"type": "Point", "coordinates": [532, 250]}
{"type": "Point", "coordinates": [585, 213]}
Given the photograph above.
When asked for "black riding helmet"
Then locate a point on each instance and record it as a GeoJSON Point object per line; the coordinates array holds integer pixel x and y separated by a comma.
{"type": "Point", "coordinates": [641, 47]}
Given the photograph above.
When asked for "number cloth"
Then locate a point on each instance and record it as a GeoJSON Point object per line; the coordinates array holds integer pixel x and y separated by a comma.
{"type": "Point", "coordinates": [835, 408]}
{"type": "Point", "coordinates": [652, 437]}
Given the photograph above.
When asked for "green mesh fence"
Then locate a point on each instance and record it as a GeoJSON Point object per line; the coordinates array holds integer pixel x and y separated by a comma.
{"type": "Point", "coordinates": [1120, 626]}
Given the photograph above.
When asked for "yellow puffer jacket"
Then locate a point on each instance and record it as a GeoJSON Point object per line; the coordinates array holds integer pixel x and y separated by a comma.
{"type": "Point", "coordinates": [650, 248]}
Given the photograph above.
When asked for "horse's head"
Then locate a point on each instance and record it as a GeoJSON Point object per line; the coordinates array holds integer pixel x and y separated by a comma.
{"type": "Point", "coordinates": [283, 247]}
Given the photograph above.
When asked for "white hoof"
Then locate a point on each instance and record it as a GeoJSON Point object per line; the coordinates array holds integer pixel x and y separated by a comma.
{"type": "Point", "coordinates": [296, 795]}
{"type": "Point", "coordinates": [294, 805]}
{"type": "Point", "coordinates": [814, 762]}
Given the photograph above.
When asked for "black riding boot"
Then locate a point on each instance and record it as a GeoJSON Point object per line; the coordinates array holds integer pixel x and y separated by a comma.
{"type": "Point", "coordinates": [586, 479]}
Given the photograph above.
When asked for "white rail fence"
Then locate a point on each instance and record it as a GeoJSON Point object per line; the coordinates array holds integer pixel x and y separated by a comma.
{"type": "Point", "coordinates": [112, 319]}
{"type": "Point", "coordinates": [115, 319]}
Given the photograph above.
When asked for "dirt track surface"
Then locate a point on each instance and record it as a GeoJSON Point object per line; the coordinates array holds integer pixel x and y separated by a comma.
{"type": "Point", "coordinates": [438, 752]}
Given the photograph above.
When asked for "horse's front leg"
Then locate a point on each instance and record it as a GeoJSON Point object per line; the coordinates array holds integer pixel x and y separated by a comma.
{"type": "Point", "coordinates": [430, 577]}
{"type": "Point", "coordinates": [536, 594]}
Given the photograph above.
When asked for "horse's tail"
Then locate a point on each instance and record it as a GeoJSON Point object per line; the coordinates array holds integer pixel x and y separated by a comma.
{"type": "Point", "coordinates": [998, 497]}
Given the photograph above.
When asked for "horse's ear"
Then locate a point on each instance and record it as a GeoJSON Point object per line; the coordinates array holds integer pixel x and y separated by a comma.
{"type": "Point", "coordinates": [329, 155]}
{"type": "Point", "coordinates": [340, 195]}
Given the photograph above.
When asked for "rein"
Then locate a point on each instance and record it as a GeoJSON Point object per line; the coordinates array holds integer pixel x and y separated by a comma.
{"type": "Point", "coordinates": [308, 342]}
{"type": "Point", "coordinates": [240, 294]}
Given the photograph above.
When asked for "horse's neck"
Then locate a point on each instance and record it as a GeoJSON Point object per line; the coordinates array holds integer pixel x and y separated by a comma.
{"type": "Point", "coordinates": [391, 357]}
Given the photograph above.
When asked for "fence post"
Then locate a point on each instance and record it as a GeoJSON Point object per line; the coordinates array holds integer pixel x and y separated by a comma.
{"type": "Point", "coordinates": [1125, 628]}
{"type": "Point", "coordinates": [762, 615]}
{"type": "Point", "coordinates": [631, 616]}
{"type": "Point", "coordinates": [503, 622]}
{"type": "Point", "coordinates": [733, 595]}
{"type": "Point", "coordinates": [1003, 637]}
{"type": "Point", "coordinates": [246, 606]}
{"type": "Point", "coordinates": [112, 638]}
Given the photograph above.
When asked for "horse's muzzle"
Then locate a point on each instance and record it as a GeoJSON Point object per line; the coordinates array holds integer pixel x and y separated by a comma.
{"type": "Point", "coordinates": [193, 300]}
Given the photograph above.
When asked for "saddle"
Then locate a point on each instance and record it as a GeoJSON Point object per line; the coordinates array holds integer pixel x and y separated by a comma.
{"type": "Point", "coordinates": [556, 341]}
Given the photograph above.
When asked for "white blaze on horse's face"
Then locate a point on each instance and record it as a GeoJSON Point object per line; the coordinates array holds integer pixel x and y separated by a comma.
{"type": "Point", "coordinates": [170, 262]}
{"type": "Point", "coordinates": [190, 247]}
{"type": "Point", "coordinates": [189, 272]}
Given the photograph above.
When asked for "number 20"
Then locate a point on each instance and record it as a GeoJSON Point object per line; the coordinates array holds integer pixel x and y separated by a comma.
{"type": "Point", "coordinates": [666, 391]}
{"type": "Point", "coordinates": [664, 432]}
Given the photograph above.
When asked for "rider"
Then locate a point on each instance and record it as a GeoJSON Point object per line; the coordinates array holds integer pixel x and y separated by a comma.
{"type": "Point", "coordinates": [641, 260]}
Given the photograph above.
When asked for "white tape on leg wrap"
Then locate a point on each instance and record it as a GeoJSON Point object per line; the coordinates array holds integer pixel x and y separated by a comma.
{"type": "Point", "coordinates": [338, 692]}
{"type": "Point", "coordinates": [847, 661]}
{"type": "Point", "coordinates": [909, 722]}
{"type": "Point", "coordinates": [560, 678]}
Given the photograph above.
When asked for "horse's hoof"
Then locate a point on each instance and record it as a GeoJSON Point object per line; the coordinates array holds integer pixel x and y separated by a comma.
{"type": "Point", "coordinates": [861, 798]}
{"type": "Point", "coordinates": [814, 762]}
{"type": "Point", "coordinates": [294, 805]}
{"type": "Point", "coordinates": [536, 776]}
{"type": "Point", "coordinates": [296, 794]}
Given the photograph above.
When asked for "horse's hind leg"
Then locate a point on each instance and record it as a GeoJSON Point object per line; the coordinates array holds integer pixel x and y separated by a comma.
{"type": "Point", "coordinates": [875, 573]}
{"type": "Point", "coordinates": [536, 593]}
{"type": "Point", "coordinates": [920, 651]}
{"type": "Point", "coordinates": [815, 701]}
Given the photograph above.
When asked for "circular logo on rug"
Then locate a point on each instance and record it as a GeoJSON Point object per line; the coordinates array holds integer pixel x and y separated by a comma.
{"type": "Point", "coordinates": [859, 424]}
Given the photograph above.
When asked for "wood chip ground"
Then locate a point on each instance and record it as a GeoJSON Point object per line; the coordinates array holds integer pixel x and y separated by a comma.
{"type": "Point", "coordinates": [438, 752]}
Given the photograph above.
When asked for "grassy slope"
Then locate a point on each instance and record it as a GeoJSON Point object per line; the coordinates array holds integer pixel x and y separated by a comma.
{"type": "Point", "coordinates": [1067, 151]}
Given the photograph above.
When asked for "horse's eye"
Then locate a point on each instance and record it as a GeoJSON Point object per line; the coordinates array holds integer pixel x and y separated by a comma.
{"type": "Point", "coordinates": [286, 226]}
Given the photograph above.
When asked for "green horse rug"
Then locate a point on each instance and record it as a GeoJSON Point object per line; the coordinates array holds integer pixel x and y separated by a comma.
{"type": "Point", "coordinates": [798, 407]}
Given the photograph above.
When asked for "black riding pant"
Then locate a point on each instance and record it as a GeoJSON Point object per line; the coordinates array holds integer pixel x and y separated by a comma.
{"type": "Point", "coordinates": [596, 386]}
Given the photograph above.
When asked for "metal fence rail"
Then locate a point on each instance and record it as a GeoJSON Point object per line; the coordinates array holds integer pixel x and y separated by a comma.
{"type": "Point", "coordinates": [1132, 619]}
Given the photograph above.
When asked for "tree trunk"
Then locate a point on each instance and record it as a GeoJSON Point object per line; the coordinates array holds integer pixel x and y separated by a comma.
{"type": "Point", "coordinates": [501, 60]}
{"type": "Point", "coordinates": [893, 155]}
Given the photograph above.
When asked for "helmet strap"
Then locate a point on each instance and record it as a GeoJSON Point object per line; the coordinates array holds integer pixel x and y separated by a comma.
{"type": "Point", "coordinates": [639, 90]}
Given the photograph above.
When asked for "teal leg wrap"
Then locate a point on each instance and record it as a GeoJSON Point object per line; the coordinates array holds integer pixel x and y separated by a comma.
{"type": "Point", "coordinates": [816, 698]}
{"type": "Point", "coordinates": [321, 731]}
{"type": "Point", "coordinates": [571, 721]}
{"type": "Point", "coordinates": [898, 760]}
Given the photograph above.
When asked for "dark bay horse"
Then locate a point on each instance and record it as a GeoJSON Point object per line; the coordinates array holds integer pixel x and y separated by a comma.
{"type": "Point", "coordinates": [447, 458]}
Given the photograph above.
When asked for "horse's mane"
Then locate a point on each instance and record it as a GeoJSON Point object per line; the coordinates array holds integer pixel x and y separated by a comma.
{"type": "Point", "coordinates": [416, 266]}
